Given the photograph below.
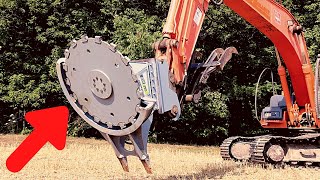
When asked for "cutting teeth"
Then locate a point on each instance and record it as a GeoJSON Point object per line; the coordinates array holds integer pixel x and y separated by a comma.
{"type": "Point", "coordinates": [98, 39]}
{"type": "Point", "coordinates": [122, 125]}
{"type": "Point", "coordinates": [132, 119]}
{"type": "Point", "coordinates": [67, 81]}
{"type": "Point", "coordinates": [65, 67]}
{"type": "Point", "coordinates": [74, 43]}
{"type": "Point", "coordinates": [66, 53]}
{"type": "Point", "coordinates": [114, 46]}
{"type": "Point", "coordinates": [96, 119]}
{"type": "Point", "coordinates": [84, 109]}
{"type": "Point", "coordinates": [125, 60]}
{"type": "Point", "coordinates": [74, 97]}
{"type": "Point", "coordinates": [109, 124]}
{"type": "Point", "coordinates": [84, 38]}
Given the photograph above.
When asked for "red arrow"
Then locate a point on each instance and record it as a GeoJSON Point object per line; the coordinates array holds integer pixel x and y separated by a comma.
{"type": "Point", "coordinates": [50, 125]}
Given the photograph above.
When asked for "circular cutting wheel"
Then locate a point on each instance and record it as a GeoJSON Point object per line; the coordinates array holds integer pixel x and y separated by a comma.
{"type": "Point", "coordinates": [99, 84]}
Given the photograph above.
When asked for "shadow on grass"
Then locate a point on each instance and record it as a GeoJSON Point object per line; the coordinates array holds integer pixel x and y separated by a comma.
{"type": "Point", "coordinates": [212, 172]}
{"type": "Point", "coordinates": [218, 171]}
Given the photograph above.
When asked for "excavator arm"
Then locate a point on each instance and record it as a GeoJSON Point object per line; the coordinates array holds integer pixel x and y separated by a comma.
{"type": "Point", "coordinates": [182, 28]}
{"type": "Point", "coordinates": [180, 34]}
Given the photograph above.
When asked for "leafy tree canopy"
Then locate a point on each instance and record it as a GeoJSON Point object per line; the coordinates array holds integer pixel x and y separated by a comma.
{"type": "Point", "coordinates": [34, 34]}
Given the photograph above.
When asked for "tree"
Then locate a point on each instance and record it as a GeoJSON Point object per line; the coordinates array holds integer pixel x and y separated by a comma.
{"type": "Point", "coordinates": [34, 33]}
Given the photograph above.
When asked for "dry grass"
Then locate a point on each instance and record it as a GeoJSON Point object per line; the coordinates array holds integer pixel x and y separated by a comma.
{"type": "Point", "coordinates": [94, 159]}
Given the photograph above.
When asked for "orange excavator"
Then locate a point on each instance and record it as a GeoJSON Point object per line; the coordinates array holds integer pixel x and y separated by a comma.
{"type": "Point", "coordinates": [118, 96]}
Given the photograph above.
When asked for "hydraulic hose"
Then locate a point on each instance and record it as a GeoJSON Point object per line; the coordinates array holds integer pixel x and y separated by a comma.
{"type": "Point", "coordinates": [257, 87]}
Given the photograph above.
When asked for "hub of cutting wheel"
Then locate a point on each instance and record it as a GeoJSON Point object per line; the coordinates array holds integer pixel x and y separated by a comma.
{"type": "Point", "coordinates": [100, 84]}
{"type": "Point", "coordinates": [276, 153]}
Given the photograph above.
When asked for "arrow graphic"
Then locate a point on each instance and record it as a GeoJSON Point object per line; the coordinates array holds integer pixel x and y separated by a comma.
{"type": "Point", "coordinates": [50, 125]}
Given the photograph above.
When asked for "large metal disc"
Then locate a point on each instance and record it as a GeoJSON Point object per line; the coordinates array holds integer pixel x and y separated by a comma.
{"type": "Point", "coordinates": [100, 82]}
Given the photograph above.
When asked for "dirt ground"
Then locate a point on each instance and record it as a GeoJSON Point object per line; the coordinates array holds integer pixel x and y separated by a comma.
{"type": "Point", "coordinates": [95, 159]}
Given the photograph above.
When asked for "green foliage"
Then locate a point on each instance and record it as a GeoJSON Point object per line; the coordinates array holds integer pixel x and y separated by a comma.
{"type": "Point", "coordinates": [34, 33]}
{"type": "Point", "coordinates": [202, 123]}
{"type": "Point", "coordinates": [135, 32]}
{"type": "Point", "coordinates": [77, 127]}
{"type": "Point", "coordinates": [26, 131]}
{"type": "Point", "coordinates": [307, 13]}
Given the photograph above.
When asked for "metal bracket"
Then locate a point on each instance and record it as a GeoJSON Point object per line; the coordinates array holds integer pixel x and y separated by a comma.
{"type": "Point", "coordinates": [216, 61]}
{"type": "Point", "coordinates": [154, 79]}
{"type": "Point", "coordinates": [138, 139]}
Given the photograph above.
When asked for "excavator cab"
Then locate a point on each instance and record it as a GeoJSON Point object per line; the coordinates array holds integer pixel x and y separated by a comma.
{"type": "Point", "coordinates": [276, 109]}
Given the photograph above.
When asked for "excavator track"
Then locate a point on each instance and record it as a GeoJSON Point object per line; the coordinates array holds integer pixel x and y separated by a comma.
{"type": "Point", "coordinates": [303, 150]}
{"type": "Point", "coordinates": [236, 148]}
{"type": "Point", "coordinates": [225, 147]}
{"type": "Point", "coordinates": [258, 153]}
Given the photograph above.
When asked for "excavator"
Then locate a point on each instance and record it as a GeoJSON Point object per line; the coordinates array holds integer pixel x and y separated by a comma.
{"type": "Point", "coordinates": [119, 96]}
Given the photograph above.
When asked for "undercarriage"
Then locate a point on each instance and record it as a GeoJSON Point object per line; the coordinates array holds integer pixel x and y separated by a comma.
{"type": "Point", "coordinates": [303, 149]}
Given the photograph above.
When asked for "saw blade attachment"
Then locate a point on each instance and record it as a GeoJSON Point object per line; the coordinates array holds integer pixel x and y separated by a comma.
{"type": "Point", "coordinates": [99, 84]}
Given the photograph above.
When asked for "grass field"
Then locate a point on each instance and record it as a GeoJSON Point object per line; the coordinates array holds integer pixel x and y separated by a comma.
{"type": "Point", "coordinates": [94, 159]}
